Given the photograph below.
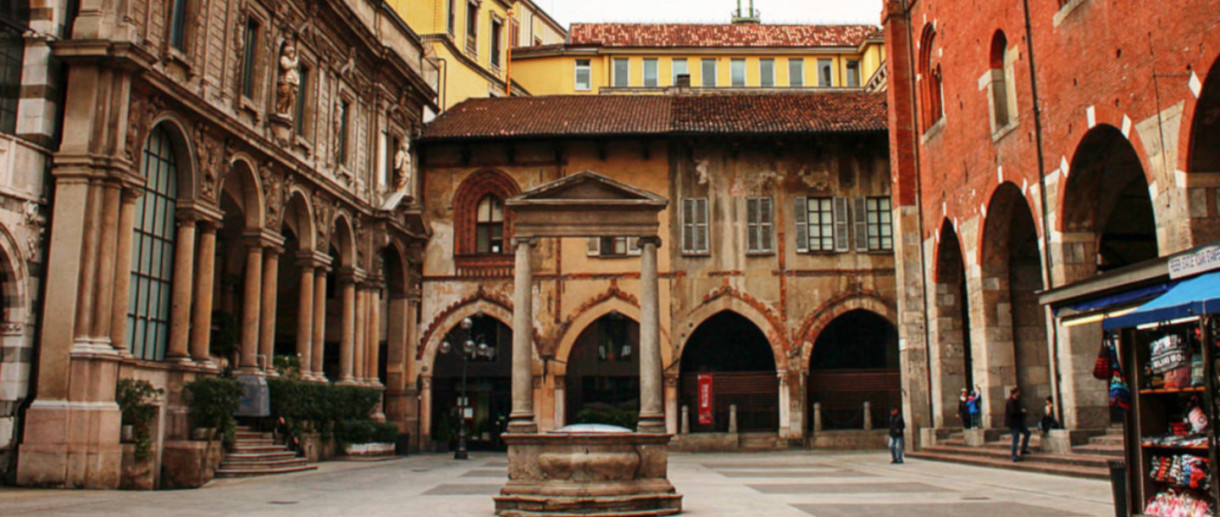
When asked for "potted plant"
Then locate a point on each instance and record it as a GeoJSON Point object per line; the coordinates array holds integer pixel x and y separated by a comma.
{"type": "Point", "coordinates": [137, 401]}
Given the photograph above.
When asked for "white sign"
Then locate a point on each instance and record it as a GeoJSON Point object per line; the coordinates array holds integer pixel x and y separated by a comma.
{"type": "Point", "coordinates": [1200, 261]}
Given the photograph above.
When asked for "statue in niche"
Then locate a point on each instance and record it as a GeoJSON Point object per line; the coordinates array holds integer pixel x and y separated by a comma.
{"type": "Point", "coordinates": [289, 81]}
{"type": "Point", "coordinates": [402, 166]}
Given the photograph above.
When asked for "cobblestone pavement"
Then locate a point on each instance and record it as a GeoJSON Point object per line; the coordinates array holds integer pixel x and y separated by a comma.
{"type": "Point", "coordinates": [795, 484]}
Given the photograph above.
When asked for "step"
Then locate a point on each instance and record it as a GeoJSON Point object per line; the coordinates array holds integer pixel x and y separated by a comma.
{"type": "Point", "coordinates": [1107, 439]}
{"type": "Point", "coordinates": [248, 435]}
{"type": "Point", "coordinates": [1112, 451]}
{"type": "Point", "coordinates": [1030, 465]}
{"type": "Point", "coordinates": [262, 465]}
{"type": "Point", "coordinates": [1006, 455]}
{"type": "Point", "coordinates": [243, 472]}
{"type": "Point", "coordinates": [259, 458]}
{"type": "Point", "coordinates": [239, 448]}
{"type": "Point", "coordinates": [254, 442]}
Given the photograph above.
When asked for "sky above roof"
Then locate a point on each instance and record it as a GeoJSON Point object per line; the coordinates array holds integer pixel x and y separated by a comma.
{"type": "Point", "coordinates": [713, 11]}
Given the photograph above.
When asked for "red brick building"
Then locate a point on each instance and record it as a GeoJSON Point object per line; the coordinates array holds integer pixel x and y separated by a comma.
{"type": "Point", "coordinates": [998, 201]}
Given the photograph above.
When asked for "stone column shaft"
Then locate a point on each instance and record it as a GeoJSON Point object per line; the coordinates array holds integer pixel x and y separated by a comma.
{"type": "Point", "coordinates": [250, 308]}
{"type": "Point", "coordinates": [348, 331]}
{"type": "Point", "coordinates": [180, 301]}
{"type": "Point", "coordinates": [521, 419]}
{"type": "Point", "coordinates": [319, 323]}
{"type": "Point", "coordinates": [89, 263]}
{"type": "Point", "coordinates": [360, 342]}
{"type": "Point", "coordinates": [305, 320]}
{"type": "Point", "coordinates": [107, 270]}
{"type": "Point", "coordinates": [373, 370]}
{"type": "Point", "coordinates": [122, 267]}
{"type": "Point", "coordinates": [652, 416]}
{"type": "Point", "coordinates": [266, 331]}
{"type": "Point", "coordinates": [205, 267]}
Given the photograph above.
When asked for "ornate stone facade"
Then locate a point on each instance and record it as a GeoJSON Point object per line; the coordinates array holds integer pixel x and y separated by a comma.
{"type": "Point", "coordinates": [207, 180]}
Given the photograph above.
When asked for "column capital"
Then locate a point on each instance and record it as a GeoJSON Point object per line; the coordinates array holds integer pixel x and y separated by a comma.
{"type": "Point", "coordinates": [350, 275]}
{"type": "Point", "coordinates": [313, 259]}
{"type": "Point", "coordinates": [528, 241]}
{"type": "Point", "coordinates": [653, 239]}
{"type": "Point", "coordinates": [199, 212]}
{"type": "Point", "coordinates": [264, 238]}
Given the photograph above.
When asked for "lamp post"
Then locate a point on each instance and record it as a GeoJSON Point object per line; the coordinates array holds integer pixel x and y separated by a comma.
{"type": "Point", "coordinates": [468, 350]}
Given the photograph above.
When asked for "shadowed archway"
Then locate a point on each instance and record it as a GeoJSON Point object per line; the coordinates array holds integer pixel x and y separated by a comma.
{"type": "Point", "coordinates": [737, 355]}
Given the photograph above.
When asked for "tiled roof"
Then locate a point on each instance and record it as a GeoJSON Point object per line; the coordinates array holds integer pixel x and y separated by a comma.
{"type": "Point", "coordinates": [646, 35]}
{"type": "Point", "coordinates": [781, 113]}
{"type": "Point", "coordinates": [610, 115]}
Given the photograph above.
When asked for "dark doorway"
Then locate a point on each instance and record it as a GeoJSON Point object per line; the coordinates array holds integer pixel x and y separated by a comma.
{"type": "Point", "coordinates": [603, 377]}
{"type": "Point", "coordinates": [738, 356]}
{"type": "Point", "coordinates": [854, 360]}
{"type": "Point", "coordinates": [488, 384]}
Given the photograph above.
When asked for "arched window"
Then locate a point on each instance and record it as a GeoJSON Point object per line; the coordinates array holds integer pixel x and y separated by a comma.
{"type": "Point", "coordinates": [489, 226]}
{"type": "Point", "coordinates": [931, 96]}
{"type": "Point", "coordinates": [152, 250]}
{"type": "Point", "coordinates": [998, 88]}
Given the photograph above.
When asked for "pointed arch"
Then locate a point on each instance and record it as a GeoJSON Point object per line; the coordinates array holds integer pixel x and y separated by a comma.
{"type": "Point", "coordinates": [470, 193]}
{"type": "Point", "coordinates": [727, 301]}
{"type": "Point", "coordinates": [577, 326]}
{"type": "Point", "coordinates": [242, 183]}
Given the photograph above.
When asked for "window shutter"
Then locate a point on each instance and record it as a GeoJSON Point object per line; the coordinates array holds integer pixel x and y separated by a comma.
{"type": "Point", "coordinates": [765, 218]}
{"type": "Point", "coordinates": [688, 224]}
{"type": "Point", "coordinates": [800, 215]}
{"type": "Point", "coordinates": [841, 244]}
{"type": "Point", "coordinates": [633, 245]}
{"type": "Point", "coordinates": [861, 223]}
{"type": "Point", "coordinates": [701, 244]}
{"type": "Point", "coordinates": [752, 222]}
{"type": "Point", "coordinates": [594, 247]}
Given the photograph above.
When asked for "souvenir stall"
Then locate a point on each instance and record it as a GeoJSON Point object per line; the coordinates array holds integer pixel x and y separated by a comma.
{"type": "Point", "coordinates": [1165, 353]}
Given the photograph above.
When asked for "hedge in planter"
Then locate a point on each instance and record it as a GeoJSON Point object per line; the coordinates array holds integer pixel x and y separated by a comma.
{"type": "Point", "coordinates": [213, 401]}
{"type": "Point", "coordinates": [137, 402]}
{"type": "Point", "coordinates": [320, 406]}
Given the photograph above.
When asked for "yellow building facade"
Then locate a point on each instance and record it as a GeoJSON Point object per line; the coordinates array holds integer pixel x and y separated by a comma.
{"type": "Point", "coordinates": [613, 58]}
{"type": "Point", "coordinates": [472, 40]}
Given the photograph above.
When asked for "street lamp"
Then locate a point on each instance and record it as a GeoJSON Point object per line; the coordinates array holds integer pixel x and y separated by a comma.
{"type": "Point", "coordinates": [469, 350]}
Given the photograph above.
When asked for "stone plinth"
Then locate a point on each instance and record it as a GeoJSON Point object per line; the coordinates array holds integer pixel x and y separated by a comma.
{"type": "Point", "coordinates": [607, 473]}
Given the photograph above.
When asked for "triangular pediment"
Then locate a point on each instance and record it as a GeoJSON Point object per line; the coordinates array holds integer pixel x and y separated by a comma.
{"type": "Point", "coordinates": [587, 187]}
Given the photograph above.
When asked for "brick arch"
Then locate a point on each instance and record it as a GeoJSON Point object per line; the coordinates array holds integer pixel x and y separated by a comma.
{"type": "Point", "coordinates": [816, 321]}
{"type": "Point", "coordinates": [1200, 140]}
{"type": "Point", "coordinates": [947, 229]}
{"type": "Point", "coordinates": [1103, 115]}
{"type": "Point", "coordinates": [466, 200]}
{"type": "Point", "coordinates": [613, 300]}
{"type": "Point", "coordinates": [931, 108]}
{"type": "Point", "coordinates": [729, 299]}
{"type": "Point", "coordinates": [1005, 198]}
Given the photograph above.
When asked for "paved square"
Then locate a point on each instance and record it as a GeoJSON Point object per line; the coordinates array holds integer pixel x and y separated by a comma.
{"type": "Point", "coordinates": [788, 484]}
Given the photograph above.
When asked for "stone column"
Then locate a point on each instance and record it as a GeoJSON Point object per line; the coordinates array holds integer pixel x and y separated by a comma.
{"type": "Point", "coordinates": [89, 264]}
{"type": "Point", "coordinates": [319, 323]}
{"type": "Point", "coordinates": [373, 356]}
{"type": "Point", "coordinates": [347, 285]}
{"type": "Point", "coordinates": [205, 268]}
{"type": "Point", "coordinates": [305, 315]}
{"type": "Point", "coordinates": [180, 302]}
{"type": "Point", "coordinates": [561, 400]}
{"type": "Point", "coordinates": [122, 268]}
{"type": "Point", "coordinates": [671, 404]}
{"type": "Point", "coordinates": [266, 329]}
{"type": "Point", "coordinates": [521, 419]}
{"type": "Point", "coordinates": [652, 416]}
{"type": "Point", "coordinates": [359, 342]}
{"type": "Point", "coordinates": [107, 270]}
{"type": "Point", "coordinates": [251, 306]}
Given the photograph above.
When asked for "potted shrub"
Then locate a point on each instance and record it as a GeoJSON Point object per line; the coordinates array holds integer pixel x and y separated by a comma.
{"type": "Point", "coordinates": [137, 402]}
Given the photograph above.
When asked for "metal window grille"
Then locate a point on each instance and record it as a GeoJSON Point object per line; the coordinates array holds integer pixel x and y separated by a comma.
{"type": "Point", "coordinates": [153, 251]}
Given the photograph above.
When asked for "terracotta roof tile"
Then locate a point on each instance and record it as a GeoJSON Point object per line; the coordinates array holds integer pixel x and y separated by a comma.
{"type": "Point", "coordinates": [610, 115]}
{"type": "Point", "coordinates": [722, 35]}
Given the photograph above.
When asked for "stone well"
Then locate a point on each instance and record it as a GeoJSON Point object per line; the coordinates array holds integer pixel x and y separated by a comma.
{"type": "Point", "coordinates": [588, 470]}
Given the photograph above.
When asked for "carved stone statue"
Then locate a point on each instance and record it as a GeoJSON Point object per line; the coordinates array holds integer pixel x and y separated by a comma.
{"type": "Point", "coordinates": [289, 81]}
{"type": "Point", "coordinates": [402, 166]}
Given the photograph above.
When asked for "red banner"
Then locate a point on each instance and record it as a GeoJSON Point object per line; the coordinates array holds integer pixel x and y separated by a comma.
{"type": "Point", "coordinates": [705, 399]}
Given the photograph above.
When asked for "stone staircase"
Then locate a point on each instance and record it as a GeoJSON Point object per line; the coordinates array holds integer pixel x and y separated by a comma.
{"type": "Point", "coordinates": [257, 454]}
{"type": "Point", "coordinates": [1088, 460]}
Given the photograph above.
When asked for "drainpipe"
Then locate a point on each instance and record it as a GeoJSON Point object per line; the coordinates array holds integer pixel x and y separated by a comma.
{"type": "Point", "coordinates": [1048, 278]}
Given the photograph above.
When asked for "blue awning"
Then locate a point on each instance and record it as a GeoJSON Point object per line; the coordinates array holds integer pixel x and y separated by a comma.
{"type": "Point", "coordinates": [1125, 297]}
{"type": "Point", "coordinates": [1193, 297]}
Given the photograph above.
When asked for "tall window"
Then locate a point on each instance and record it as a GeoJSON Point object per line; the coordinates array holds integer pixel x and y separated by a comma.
{"type": "Point", "coordinates": [999, 82]}
{"type": "Point", "coordinates": [497, 29]}
{"type": "Point", "coordinates": [302, 101]}
{"type": "Point", "coordinates": [472, 27]}
{"type": "Point", "coordinates": [709, 72]}
{"type": "Point", "coordinates": [766, 72]}
{"type": "Point", "coordinates": [177, 25]}
{"type": "Point", "coordinates": [452, 21]}
{"type": "Point", "coordinates": [853, 73]}
{"type": "Point", "coordinates": [796, 72]}
{"type": "Point", "coordinates": [622, 72]}
{"type": "Point", "coordinates": [249, 58]}
{"type": "Point", "coordinates": [759, 216]}
{"type": "Point", "coordinates": [821, 222]}
{"type": "Point", "coordinates": [584, 77]}
{"type": "Point", "coordinates": [344, 115]}
{"type": "Point", "coordinates": [489, 226]}
{"type": "Point", "coordinates": [879, 226]}
{"type": "Point", "coordinates": [737, 72]}
{"type": "Point", "coordinates": [825, 73]}
{"type": "Point", "coordinates": [650, 73]}
{"type": "Point", "coordinates": [680, 68]}
{"type": "Point", "coordinates": [694, 225]}
{"type": "Point", "coordinates": [931, 105]}
{"type": "Point", "coordinates": [152, 250]}
{"type": "Point", "coordinates": [14, 21]}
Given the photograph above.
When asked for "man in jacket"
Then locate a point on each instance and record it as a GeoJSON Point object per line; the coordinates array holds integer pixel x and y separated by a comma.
{"type": "Point", "coordinates": [897, 429]}
{"type": "Point", "coordinates": [1014, 418]}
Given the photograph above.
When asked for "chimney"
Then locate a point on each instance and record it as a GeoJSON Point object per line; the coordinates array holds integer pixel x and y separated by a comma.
{"type": "Point", "coordinates": [682, 81]}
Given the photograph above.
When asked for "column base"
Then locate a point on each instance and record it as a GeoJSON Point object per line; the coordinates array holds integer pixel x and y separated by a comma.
{"type": "Point", "coordinates": [348, 381]}
{"type": "Point", "coordinates": [207, 364]}
{"type": "Point", "coordinates": [183, 360]}
{"type": "Point", "coordinates": [653, 424]}
{"type": "Point", "coordinates": [71, 445]}
{"type": "Point", "coordinates": [522, 425]}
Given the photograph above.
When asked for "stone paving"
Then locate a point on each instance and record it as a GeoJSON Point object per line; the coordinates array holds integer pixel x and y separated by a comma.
{"type": "Point", "coordinates": [790, 484]}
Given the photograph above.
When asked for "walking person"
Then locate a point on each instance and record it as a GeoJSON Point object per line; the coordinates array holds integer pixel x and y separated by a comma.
{"type": "Point", "coordinates": [1014, 418]}
{"type": "Point", "coordinates": [963, 408]}
{"type": "Point", "coordinates": [897, 428]}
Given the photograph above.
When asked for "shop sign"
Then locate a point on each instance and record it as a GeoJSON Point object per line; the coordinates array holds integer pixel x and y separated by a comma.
{"type": "Point", "coordinates": [1190, 264]}
{"type": "Point", "coordinates": [705, 399]}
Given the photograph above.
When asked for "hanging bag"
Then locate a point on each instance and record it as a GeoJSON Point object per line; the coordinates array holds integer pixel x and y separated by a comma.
{"type": "Point", "coordinates": [1101, 369]}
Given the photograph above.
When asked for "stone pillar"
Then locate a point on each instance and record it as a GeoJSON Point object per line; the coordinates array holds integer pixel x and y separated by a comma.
{"type": "Point", "coordinates": [685, 419]}
{"type": "Point", "coordinates": [305, 316]}
{"type": "Point", "coordinates": [347, 285]}
{"type": "Point", "coordinates": [671, 403]}
{"type": "Point", "coordinates": [785, 408]}
{"type": "Point", "coordinates": [425, 411]}
{"type": "Point", "coordinates": [652, 416]}
{"type": "Point", "coordinates": [360, 332]}
{"type": "Point", "coordinates": [373, 370]}
{"type": "Point", "coordinates": [205, 270]}
{"type": "Point", "coordinates": [122, 268]}
{"type": "Point", "coordinates": [89, 264]}
{"type": "Point", "coordinates": [266, 321]}
{"type": "Point", "coordinates": [561, 401]}
{"type": "Point", "coordinates": [319, 323]}
{"type": "Point", "coordinates": [107, 260]}
{"type": "Point", "coordinates": [180, 302]}
{"type": "Point", "coordinates": [251, 306]}
{"type": "Point", "coordinates": [521, 420]}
